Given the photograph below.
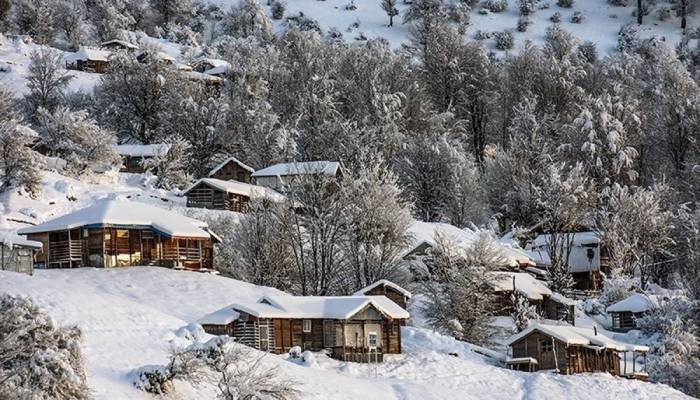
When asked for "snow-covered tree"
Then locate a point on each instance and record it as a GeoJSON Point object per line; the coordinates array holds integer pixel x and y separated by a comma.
{"type": "Point", "coordinates": [523, 311]}
{"type": "Point", "coordinates": [171, 165]}
{"type": "Point", "coordinates": [46, 80]}
{"type": "Point", "coordinates": [38, 360]}
{"type": "Point", "coordinates": [248, 18]}
{"type": "Point", "coordinates": [389, 7]}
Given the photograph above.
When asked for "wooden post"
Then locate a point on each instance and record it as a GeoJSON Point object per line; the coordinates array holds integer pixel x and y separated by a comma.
{"type": "Point", "coordinates": [625, 363]}
{"type": "Point", "coordinates": [633, 362]}
{"type": "Point", "coordinates": [554, 350]}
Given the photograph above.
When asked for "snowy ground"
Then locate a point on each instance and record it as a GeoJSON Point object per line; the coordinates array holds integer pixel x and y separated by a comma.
{"type": "Point", "coordinates": [130, 318]}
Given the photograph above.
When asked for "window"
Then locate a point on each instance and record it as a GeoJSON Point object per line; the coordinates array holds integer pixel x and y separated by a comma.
{"type": "Point", "coordinates": [307, 326]}
{"type": "Point", "coordinates": [328, 333]}
{"type": "Point", "coordinates": [264, 338]}
{"type": "Point", "coordinates": [372, 340]}
{"type": "Point", "coordinates": [546, 346]}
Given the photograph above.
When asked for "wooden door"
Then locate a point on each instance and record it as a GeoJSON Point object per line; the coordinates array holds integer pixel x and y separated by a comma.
{"type": "Point", "coordinates": [546, 354]}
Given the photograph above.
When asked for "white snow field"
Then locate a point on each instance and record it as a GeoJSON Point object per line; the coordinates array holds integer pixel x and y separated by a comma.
{"type": "Point", "coordinates": [130, 317]}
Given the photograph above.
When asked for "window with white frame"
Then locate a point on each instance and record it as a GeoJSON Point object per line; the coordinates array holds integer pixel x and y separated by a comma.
{"type": "Point", "coordinates": [372, 340]}
{"type": "Point", "coordinates": [307, 325]}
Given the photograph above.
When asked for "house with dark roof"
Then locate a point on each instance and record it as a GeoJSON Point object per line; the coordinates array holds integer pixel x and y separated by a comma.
{"type": "Point", "coordinates": [232, 169]}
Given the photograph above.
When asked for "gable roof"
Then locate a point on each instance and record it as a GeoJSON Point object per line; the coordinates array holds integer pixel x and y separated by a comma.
{"type": "Point", "coordinates": [317, 307]}
{"type": "Point", "coordinates": [141, 150]}
{"type": "Point", "coordinates": [241, 188]}
{"type": "Point", "coordinates": [572, 335]}
{"type": "Point", "coordinates": [228, 160]}
{"type": "Point", "coordinates": [85, 53]}
{"type": "Point", "coordinates": [636, 303]}
{"type": "Point", "coordinates": [328, 168]}
{"type": "Point", "coordinates": [525, 284]}
{"type": "Point", "coordinates": [120, 42]}
{"type": "Point", "coordinates": [383, 282]}
{"type": "Point", "coordinates": [125, 213]}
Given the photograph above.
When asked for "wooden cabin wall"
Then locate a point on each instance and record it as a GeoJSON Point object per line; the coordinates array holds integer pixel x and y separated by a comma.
{"type": "Point", "coordinates": [17, 259]}
{"type": "Point", "coordinates": [393, 294]}
{"type": "Point", "coordinates": [583, 359]}
{"type": "Point", "coordinates": [232, 172]}
{"type": "Point", "coordinates": [558, 311]}
{"type": "Point", "coordinates": [532, 346]}
{"type": "Point", "coordinates": [204, 196]}
{"type": "Point", "coordinates": [228, 329]}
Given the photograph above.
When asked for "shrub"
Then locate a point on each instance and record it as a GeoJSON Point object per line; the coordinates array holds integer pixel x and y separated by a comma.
{"type": "Point", "coordinates": [278, 8]}
{"type": "Point", "coordinates": [577, 17]}
{"type": "Point", "coordinates": [351, 6]}
{"type": "Point", "coordinates": [664, 13]}
{"type": "Point", "coordinates": [482, 35]}
{"type": "Point", "coordinates": [628, 38]}
{"type": "Point", "coordinates": [565, 3]}
{"type": "Point", "coordinates": [504, 40]}
{"type": "Point", "coordinates": [527, 7]}
{"type": "Point", "coordinates": [304, 23]}
{"type": "Point", "coordinates": [556, 17]}
{"type": "Point", "coordinates": [588, 51]}
{"type": "Point", "coordinates": [495, 6]}
{"type": "Point", "coordinates": [523, 23]}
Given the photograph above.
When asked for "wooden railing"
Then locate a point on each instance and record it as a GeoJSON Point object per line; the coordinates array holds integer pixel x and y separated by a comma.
{"type": "Point", "coordinates": [65, 250]}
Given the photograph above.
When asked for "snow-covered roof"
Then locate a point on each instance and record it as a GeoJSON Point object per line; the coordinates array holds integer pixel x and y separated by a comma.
{"type": "Point", "coordinates": [313, 307]}
{"type": "Point", "coordinates": [123, 43]}
{"type": "Point", "coordinates": [383, 282]}
{"type": "Point", "coordinates": [228, 160]}
{"type": "Point", "coordinates": [329, 168]}
{"type": "Point", "coordinates": [636, 303]}
{"type": "Point", "coordinates": [525, 284]}
{"type": "Point", "coordinates": [221, 317]}
{"type": "Point", "coordinates": [220, 70]}
{"type": "Point", "coordinates": [194, 75]}
{"type": "Point", "coordinates": [125, 213]}
{"type": "Point", "coordinates": [214, 62]}
{"type": "Point", "coordinates": [572, 335]}
{"type": "Point", "coordinates": [241, 188]}
{"type": "Point", "coordinates": [10, 240]}
{"type": "Point", "coordinates": [85, 53]}
{"type": "Point", "coordinates": [425, 233]}
{"type": "Point", "coordinates": [579, 239]}
{"type": "Point", "coordinates": [141, 150]}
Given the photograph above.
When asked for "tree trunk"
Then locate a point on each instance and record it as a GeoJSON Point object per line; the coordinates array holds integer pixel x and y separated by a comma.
{"type": "Point", "coordinates": [639, 12]}
{"type": "Point", "coordinates": [684, 12]}
{"type": "Point", "coordinates": [391, 20]}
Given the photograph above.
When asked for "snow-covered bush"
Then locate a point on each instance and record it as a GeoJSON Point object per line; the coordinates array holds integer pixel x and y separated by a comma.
{"type": "Point", "coordinates": [618, 286]}
{"type": "Point", "coordinates": [38, 360]}
{"type": "Point", "coordinates": [295, 352]}
{"type": "Point", "coordinates": [504, 40]}
{"type": "Point", "coordinates": [556, 17]}
{"type": "Point", "coordinates": [663, 13]}
{"type": "Point", "coordinates": [523, 312]}
{"type": "Point", "coordinates": [588, 51]}
{"type": "Point", "coordinates": [495, 6]}
{"type": "Point", "coordinates": [277, 8]}
{"type": "Point", "coordinates": [523, 23]}
{"type": "Point", "coordinates": [565, 3]}
{"type": "Point", "coordinates": [171, 165]}
{"type": "Point", "coordinates": [304, 23]}
{"type": "Point", "coordinates": [526, 7]}
{"type": "Point", "coordinates": [351, 6]}
{"type": "Point", "coordinates": [577, 17]}
{"type": "Point", "coordinates": [482, 35]}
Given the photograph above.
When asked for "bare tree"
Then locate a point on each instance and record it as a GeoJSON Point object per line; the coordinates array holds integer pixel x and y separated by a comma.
{"type": "Point", "coordinates": [46, 80]}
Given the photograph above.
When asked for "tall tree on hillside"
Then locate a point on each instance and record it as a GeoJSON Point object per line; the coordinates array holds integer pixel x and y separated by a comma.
{"type": "Point", "coordinates": [46, 80]}
{"type": "Point", "coordinates": [18, 162]}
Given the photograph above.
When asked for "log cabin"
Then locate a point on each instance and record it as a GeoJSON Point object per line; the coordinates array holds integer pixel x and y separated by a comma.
{"type": "Point", "coordinates": [88, 60]}
{"type": "Point", "coordinates": [118, 44]}
{"type": "Point", "coordinates": [624, 313]}
{"type": "Point", "coordinates": [117, 233]}
{"type": "Point", "coordinates": [133, 155]}
{"type": "Point", "coordinates": [350, 328]}
{"type": "Point", "coordinates": [227, 195]}
{"type": "Point", "coordinates": [587, 258]}
{"type": "Point", "coordinates": [285, 177]}
{"type": "Point", "coordinates": [231, 169]}
{"type": "Point", "coordinates": [550, 305]}
{"type": "Point", "coordinates": [392, 291]}
{"type": "Point", "coordinates": [17, 254]}
{"type": "Point", "coordinates": [570, 350]}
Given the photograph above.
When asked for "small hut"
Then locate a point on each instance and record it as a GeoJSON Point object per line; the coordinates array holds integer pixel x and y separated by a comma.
{"type": "Point", "coordinates": [17, 254]}
{"type": "Point", "coordinates": [227, 195]}
{"type": "Point", "coordinates": [549, 305]}
{"type": "Point", "coordinates": [212, 66]}
{"type": "Point", "coordinates": [389, 289]}
{"type": "Point", "coordinates": [625, 313]}
{"type": "Point", "coordinates": [571, 350]}
{"type": "Point", "coordinates": [117, 233]}
{"type": "Point", "coordinates": [88, 60]}
{"type": "Point", "coordinates": [118, 44]}
{"type": "Point", "coordinates": [351, 328]}
{"type": "Point", "coordinates": [133, 155]}
{"type": "Point", "coordinates": [285, 176]}
{"type": "Point", "coordinates": [232, 169]}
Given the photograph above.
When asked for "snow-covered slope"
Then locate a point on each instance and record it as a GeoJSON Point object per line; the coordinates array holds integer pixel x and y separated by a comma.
{"type": "Point", "coordinates": [131, 316]}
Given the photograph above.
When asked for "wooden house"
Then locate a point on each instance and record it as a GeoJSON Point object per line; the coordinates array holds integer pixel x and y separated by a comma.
{"type": "Point", "coordinates": [625, 313]}
{"type": "Point", "coordinates": [285, 177]}
{"type": "Point", "coordinates": [17, 254]}
{"type": "Point", "coordinates": [549, 305]}
{"type": "Point", "coordinates": [88, 60]}
{"type": "Point", "coordinates": [116, 233]}
{"type": "Point", "coordinates": [383, 287]}
{"type": "Point", "coordinates": [571, 350]}
{"type": "Point", "coordinates": [350, 328]}
{"type": "Point", "coordinates": [587, 258]}
{"type": "Point", "coordinates": [118, 44]}
{"type": "Point", "coordinates": [231, 169]}
{"type": "Point", "coordinates": [212, 66]}
{"type": "Point", "coordinates": [133, 155]}
{"type": "Point", "coordinates": [227, 195]}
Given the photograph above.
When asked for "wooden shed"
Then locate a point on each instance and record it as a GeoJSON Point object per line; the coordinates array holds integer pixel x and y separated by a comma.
{"type": "Point", "coordinates": [389, 289]}
{"type": "Point", "coordinates": [571, 350]}
{"type": "Point", "coordinates": [117, 233]}
{"type": "Point", "coordinates": [624, 313]}
{"type": "Point", "coordinates": [118, 44]}
{"type": "Point", "coordinates": [227, 195]}
{"type": "Point", "coordinates": [232, 169]}
{"type": "Point", "coordinates": [17, 254]}
{"type": "Point", "coordinates": [88, 60]}
{"type": "Point", "coordinates": [285, 176]}
{"type": "Point", "coordinates": [350, 328]}
{"type": "Point", "coordinates": [133, 155]}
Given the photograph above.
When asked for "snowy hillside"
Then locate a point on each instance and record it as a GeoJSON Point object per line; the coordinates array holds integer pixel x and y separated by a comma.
{"type": "Point", "coordinates": [130, 317]}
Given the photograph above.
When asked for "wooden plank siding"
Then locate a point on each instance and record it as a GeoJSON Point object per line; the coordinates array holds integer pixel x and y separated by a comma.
{"type": "Point", "coordinates": [393, 294]}
{"type": "Point", "coordinates": [205, 196]}
{"type": "Point", "coordinates": [232, 172]}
